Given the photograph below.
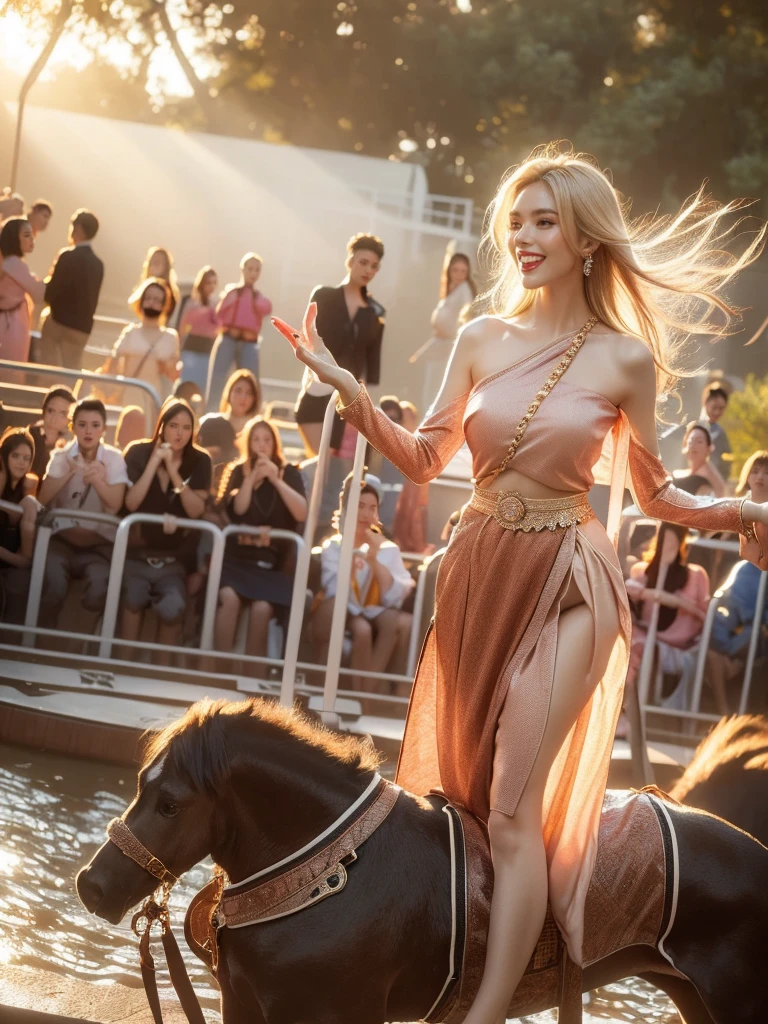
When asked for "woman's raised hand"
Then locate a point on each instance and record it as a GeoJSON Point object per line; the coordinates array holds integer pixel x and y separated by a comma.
{"type": "Point", "coordinates": [310, 350]}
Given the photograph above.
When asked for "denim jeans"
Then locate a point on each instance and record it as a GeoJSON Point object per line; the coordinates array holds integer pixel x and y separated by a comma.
{"type": "Point", "coordinates": [228, 355]}
{"type": "Point", "coordinates": [194, 367]}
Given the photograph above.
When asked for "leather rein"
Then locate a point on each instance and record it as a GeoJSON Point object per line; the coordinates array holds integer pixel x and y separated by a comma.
{"type": "Point", "coordinates": [256, 899]}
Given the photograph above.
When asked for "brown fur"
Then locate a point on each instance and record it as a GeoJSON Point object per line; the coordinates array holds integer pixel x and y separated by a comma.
{"type": "Point", "coordinates": [738, 742]}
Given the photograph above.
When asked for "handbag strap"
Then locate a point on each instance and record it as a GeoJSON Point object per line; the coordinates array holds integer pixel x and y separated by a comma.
{"type": "Point", "coordinates": [542, 393]}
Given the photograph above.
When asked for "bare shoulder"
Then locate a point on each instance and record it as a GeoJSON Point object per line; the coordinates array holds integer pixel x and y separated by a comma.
{"type": "Point", "coordinates": [477, 331]}
{"type": "Point", "coordinates": [625, 350]}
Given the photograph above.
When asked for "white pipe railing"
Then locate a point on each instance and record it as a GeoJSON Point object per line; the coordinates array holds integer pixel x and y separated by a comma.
{"type": "Point", "coordinates": [298, 602]}
{"type": "Point", "coordinates": [117, 568]}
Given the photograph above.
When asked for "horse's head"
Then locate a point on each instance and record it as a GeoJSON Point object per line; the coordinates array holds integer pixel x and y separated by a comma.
{"type": "Point", "coordinates": [240, 781]}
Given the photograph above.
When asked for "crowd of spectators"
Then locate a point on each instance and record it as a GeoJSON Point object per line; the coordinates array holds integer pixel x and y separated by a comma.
{"type": "Point", "coordinates": [212, 455]}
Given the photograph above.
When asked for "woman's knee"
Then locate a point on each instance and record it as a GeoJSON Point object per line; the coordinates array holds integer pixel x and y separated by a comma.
{"type": "Point", "coordinates": [509, 834]}
{"type": "Point", "coordinates": [261, 611]}
{"type": "Point", "coordinates": [360, 628]}
{"type": "Point", "coordinates": [228, 599]}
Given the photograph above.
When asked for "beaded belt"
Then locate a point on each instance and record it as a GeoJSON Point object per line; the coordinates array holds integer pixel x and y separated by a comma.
{"type": "Point", "coordinates": [514, 512]}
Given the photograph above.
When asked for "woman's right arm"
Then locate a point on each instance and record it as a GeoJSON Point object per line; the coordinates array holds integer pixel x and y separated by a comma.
{"type": "Point", "coordinates": [420, 456]}
{"type": "Point", "coordinates": [136, 494]}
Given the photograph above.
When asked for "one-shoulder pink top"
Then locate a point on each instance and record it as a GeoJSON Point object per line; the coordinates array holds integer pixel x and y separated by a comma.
{"type": "Point", "coordinates": [564, 439]}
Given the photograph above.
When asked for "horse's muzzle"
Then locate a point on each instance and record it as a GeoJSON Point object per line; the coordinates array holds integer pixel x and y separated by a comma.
{"type": "Point", "coordinates": [92, 897]}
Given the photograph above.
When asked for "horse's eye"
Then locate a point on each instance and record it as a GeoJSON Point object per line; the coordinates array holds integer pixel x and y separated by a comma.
{"type": "Point", "coordinates": [168, 808]}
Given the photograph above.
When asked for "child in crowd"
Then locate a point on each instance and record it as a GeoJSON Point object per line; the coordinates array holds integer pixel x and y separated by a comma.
{"type": "Point", "coordinates": [52, 431]}
{"type": "Point", "coordinates": [87, 475]}
{"type": "Point", "coordinates": [198, 328]}
{"type": "Point", "coordinates": [380, 583]}
{"type": "Point", "coordinates": [170, 476]}
{"type": "Point", "coordinates": [17, 530]}
{"type": "Point", "coordinates": [240, 314]}
{"type": "Point", "coordinates": [258, 490]}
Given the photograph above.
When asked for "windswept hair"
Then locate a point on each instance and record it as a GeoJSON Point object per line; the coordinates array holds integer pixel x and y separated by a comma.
{"type": "Point", "coordinates": [200, 741]}
{"type": "Point", "coordinates": [659, 278]}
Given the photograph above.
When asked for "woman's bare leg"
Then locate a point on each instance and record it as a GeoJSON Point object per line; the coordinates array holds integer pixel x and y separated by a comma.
{"type": "Point", "coordinates": [258, 631]}
{"type": "Point", "coordinates": [310, 435]}
{"type": "Point", "coordinates": [225, 627]}
{"type": "Point", "coordinates": [322, 617]}
{"type": "Point", "coordinates": [720, 670]}
{"type": "Point", "coordinates": [520, 890]}
{"type": "Point", "coordinates": [362, 650]}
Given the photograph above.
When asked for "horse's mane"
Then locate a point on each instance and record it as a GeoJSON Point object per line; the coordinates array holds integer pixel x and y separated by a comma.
{"type": "Point", "coordinates": [198, 741]}
{"type": "Point", "coordinates": [736, 743]}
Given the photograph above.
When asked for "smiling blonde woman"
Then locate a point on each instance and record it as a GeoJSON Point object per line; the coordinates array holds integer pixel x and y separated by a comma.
{"type": "Point", "coordinates": [520, 681]}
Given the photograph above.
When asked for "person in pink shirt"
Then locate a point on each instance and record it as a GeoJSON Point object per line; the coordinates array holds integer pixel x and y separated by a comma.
{"type": "Point", "coordinates": [198, 328]}
{"type": "Point", "coordinates": [240, 315]}
{"type": "Point", "coordinates": [684, 599]}
{"type": "Point", "coordinates": [20, 289]}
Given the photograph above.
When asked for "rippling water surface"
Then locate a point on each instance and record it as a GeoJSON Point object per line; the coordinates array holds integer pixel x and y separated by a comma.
{"type": "Point", "coordinates": [53, 811]}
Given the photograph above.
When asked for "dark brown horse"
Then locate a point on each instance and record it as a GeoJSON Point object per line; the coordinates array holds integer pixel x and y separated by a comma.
{"type": "Point", "coordinates": [251, 784]}
{"type": "Point", "coordinates": [728, 775]}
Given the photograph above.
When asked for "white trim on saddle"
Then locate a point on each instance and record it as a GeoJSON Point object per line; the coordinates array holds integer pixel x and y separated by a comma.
{"type": "Point", "coordinates": [314, 842]}
{"type": "Point", "coordinates": [452, 953]}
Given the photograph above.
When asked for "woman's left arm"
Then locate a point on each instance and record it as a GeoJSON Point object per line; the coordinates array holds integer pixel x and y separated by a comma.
{"type": "Point", "coordinates": [290, 496]}
{"type": "Point", "coordinates": [654, 490]}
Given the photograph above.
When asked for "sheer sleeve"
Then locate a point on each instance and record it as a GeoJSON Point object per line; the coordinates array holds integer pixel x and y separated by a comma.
{"type": "Point", "coordinates": [657, 496]}
{"type": "Point", "coordinates": [420, 456]}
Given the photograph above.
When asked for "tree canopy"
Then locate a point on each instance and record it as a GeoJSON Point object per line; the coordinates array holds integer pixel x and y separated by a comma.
{"type": "Point", "coordinates": [664, 96]}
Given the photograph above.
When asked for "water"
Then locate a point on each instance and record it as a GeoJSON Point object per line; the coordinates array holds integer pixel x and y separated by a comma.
{"type": "Point", "coordinates": [53, 811]}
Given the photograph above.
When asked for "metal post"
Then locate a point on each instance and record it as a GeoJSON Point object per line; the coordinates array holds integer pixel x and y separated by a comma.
{"type": "Point", "coordinates": [338, 622]}
{"type": "Point", "coordinates": [757, 619]}
{"type": "Point", "coordinates": [117, 565]}
{"type": "Point", "coordinates": [212, 589]}
{"type": "Point", "coordinates": [36, 583]}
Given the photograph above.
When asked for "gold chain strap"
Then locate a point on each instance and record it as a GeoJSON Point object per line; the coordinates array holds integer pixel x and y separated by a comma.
{"type": "Point", "coordinates": [542, 393]}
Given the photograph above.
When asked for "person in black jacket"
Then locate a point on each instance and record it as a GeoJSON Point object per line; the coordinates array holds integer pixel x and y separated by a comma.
{"type": "Point", "coordinates": [72, 292]}
{"type": "Point", "coordinates": [351, 323]}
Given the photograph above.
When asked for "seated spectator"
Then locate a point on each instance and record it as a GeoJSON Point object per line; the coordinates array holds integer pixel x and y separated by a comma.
{"type": "Point", "coordinates": [753, 482]}
{"type": "Point", "coordinates": [697, 448]}
{"type": "Point", "coordinates": [147, 350]}
{"type": "Point", "coordinates": [170, 476]}
{"type": "Point", "coordinates": [684, 599]}
{"type": "Point", "coordinates": [11, 204]}
{"type": "Point", "coordinates": [410, 523]}
{"type": "Point", "coordinates": [258, 490]}
{"type": "Point", "coordinates": [714, 401]}
{"type": "Point", "coordinates": [158, 264]}
{"type": "Point", "coordinates": [732, 631]}
{"type": "Point", "coordinates": [379, 585]}
{"type": "Point", "coordinates": [20, 289]}
{"type": "Point", "coordinates": [89, 475]}
{"type": "Point", "coordinates": [240, 314]}
{"type": "Point", "coordinates": [39, 216]}
{"type": "Point", "coordinates": [52, 431]}
{"type": "Point", "coordinates": [131, 426]}
{"type": "Point", "coordinates": [240, 402]}
{"type": "Point", "coordinates": [72, 292]}
{"type": "Point", "coordinates": [198, 328]}
{"type": "Point", "coordinates": [17, 532]}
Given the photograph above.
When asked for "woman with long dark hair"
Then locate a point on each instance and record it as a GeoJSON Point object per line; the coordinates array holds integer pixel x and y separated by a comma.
{"type": "Point", "coordinates": [17, 530]}
{"type": "Point", "coordinates": [20, 289]}
{"type": "Point", "coordinates": [170, 476]}
{"type": "Point", "coordinates": [260, 489]}
{"type": "Point", "coordinates": [697, 450]}
{"type": "Point", "coordinates": [219, 431]}
{"type": "Point", "coordinates": [520, 680]}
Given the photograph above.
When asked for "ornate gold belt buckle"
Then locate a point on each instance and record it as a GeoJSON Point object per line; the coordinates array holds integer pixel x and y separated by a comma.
{"type": "Point", "coordinates": [510, 510]}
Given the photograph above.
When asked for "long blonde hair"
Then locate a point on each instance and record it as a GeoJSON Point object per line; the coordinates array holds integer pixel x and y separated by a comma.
{"type": "Point", "coordinates": [651, 275]}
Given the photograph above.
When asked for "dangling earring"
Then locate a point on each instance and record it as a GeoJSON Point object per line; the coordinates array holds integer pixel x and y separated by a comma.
{"type": "Point", "coordinates": [588, 265]}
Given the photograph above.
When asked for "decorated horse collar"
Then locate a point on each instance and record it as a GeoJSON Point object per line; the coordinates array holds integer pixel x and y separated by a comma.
{"type": "Point", "coordinates": [318, 874]}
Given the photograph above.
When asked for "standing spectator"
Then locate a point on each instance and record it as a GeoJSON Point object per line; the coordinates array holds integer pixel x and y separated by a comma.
{"type": "Point", "coordinates": [52, 431]}
{"type": "Point", "coordinates": [457, 291]}
{"type": "Point", "coordinates": [198, 328]}
{"type": "Point", "coordinates": [89, 475]}
{"type": "Point", "coordinates": [158, 263]}
{"type": "Point", "coordinates": [17, 532]}
{"type": "Point", "coordinates": [39, 216]}
{"type": "Point", "coordinates": [72, 293]}
{"type": "Point", "coordinates": [259, 490]}
{"type": "Point", "coordinates": [20, 289]}
{"type": "Point", "coordinates": [698, 449]}
{"type": "Point", "coordinates": [684, 599]}
{"type": "Point", "coordinates": [219, 431]}
{"type": "Point", "coordinates": [409, 528]}
{"type": "Point", "coordinates": [351, 324]}
{"type": "Point", "coordinates": [11, 204]}
{"type": "Point", "coordinates": [131, 426]}
{"type": "Point", "coordinates": [170, 476]}
{"type": "Point", "coordinates": [732, 631]}
{"type": "Point", "coordinates": [147, 350]}
{"type": "Point", "coordinates": [714, 401]}
{"type": "Point", "coordinates": [379, 585]}
{"type": "Point", "coordinates": [240, 314]}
